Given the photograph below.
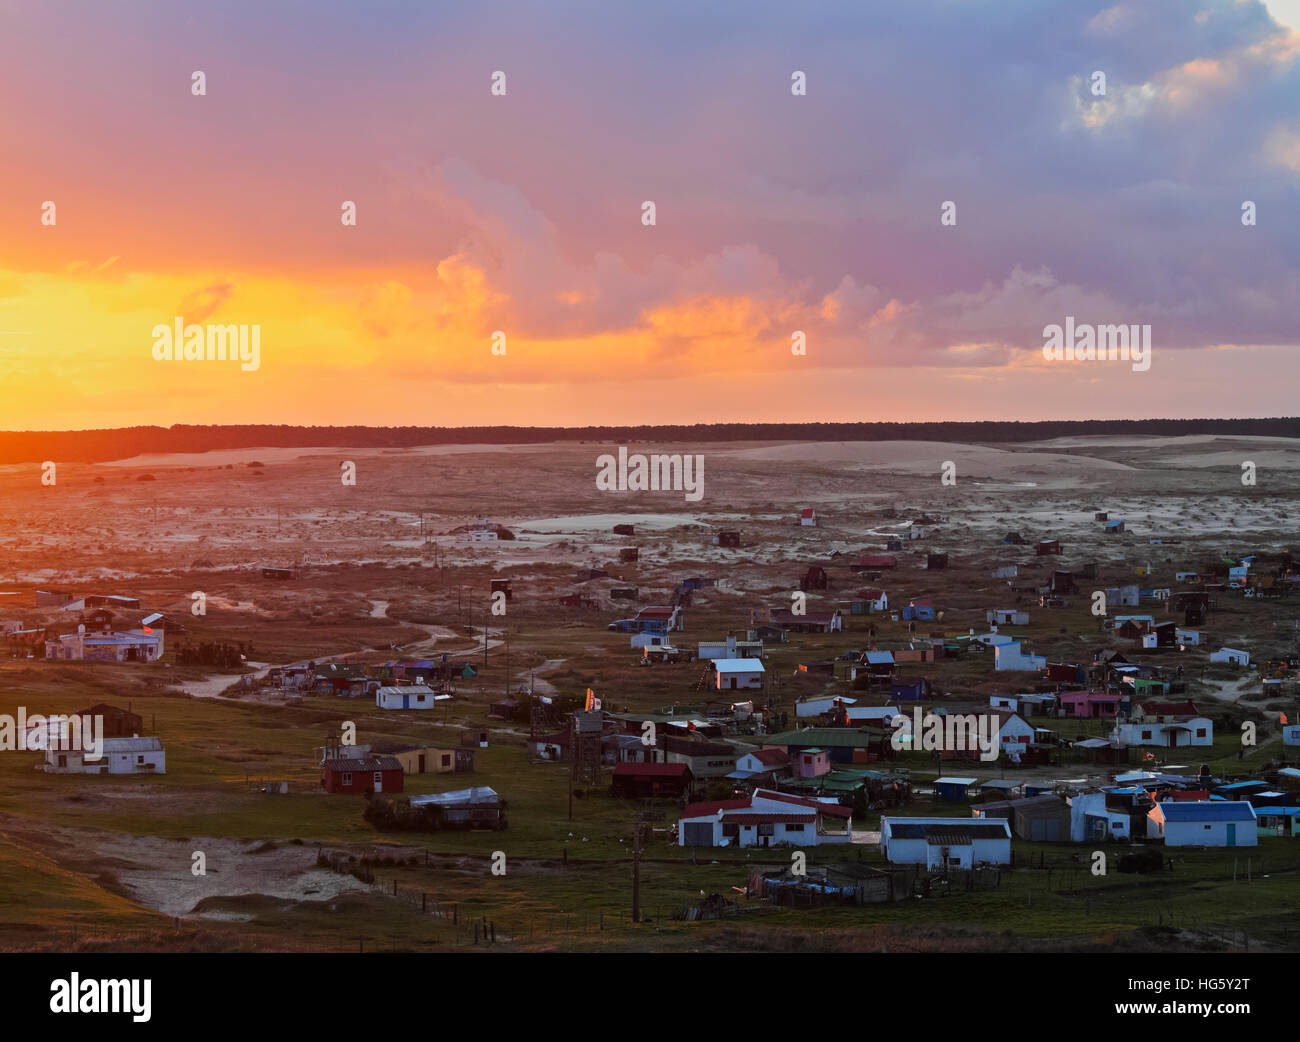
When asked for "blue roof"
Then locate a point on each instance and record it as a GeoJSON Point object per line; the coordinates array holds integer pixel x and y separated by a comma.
{"type": "Point", "coordinates": [1175, 810]}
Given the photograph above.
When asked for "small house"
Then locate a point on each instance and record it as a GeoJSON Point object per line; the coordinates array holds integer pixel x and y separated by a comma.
{"type": "Point", "coordinates": [651, 780]}
{"type": "Point", "coordinates": [116, 756]}
{"type": "Point", "coordinates": [1203, 823]}
{"type": "Point", "coordinates": [408, 696]}
{"type": "Point", "coordinates": [366, 774]}
{"type": "Point", "coordinates": [942, 843]}
{"type": "Point", "coordinates": [1048, 546]}
{"type": "Point", "coordinates": [808, 517]}
{"type": "Point", "coordinates": [738, 674]}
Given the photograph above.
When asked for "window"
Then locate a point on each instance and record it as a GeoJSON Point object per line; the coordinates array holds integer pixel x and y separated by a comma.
{"type": "Point", "coordinates": [446, 759]}
{"type": "Point", "coordinates": [139, 760]}
{"type": "Point", "coordinates": [794, 828]}
{"type": "Point", "coordinates": [1208, 827]}
{"type": "Point", "coordinates": [1146, 735]}
{"type": "Point", "coordinates": [1200, 732]}
{"type": "Point", "coordinates": [346, 779]}
{"type": "Point", "coordinates": [379, 778]}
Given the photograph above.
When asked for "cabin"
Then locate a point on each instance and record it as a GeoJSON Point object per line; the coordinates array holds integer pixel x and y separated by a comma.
{"type": "Point", "coordinates": [935, 561]}
{"type": "Point", "coordinates": [944, 843]}
{"type": "Point", "coordinates": [815, 578]}
{"type": "Point", "coordinates": [624, 529]}
{"type": "Point", "coordinates": [408, 696]}
{"type": "Point", "coordinates": [729, 538]}
{"type": "Point", "coordinates": [735, 674]}
{"type": "Point", "coordinates": [628, 555]}
{"type": "Point", "coordinates": [808, 517]}
{"type": "Point", "coordinates": [1048, 546]}
{"type": "Point", "coordinates": [1007, 617]}
{"type": "Point", "coordinates": [1232, 656]}
{"type": "Point", "coordinates": [1203, 823]}
{"type": "Point", "coordinates": [1113, 527]}
{"type": "Point", "coordinates": [363, 774]}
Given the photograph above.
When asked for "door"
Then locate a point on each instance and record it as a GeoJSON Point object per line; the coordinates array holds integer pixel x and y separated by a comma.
{"type": "Point", "coordinates": [421, 763]}
{"type": "Point", "coordinates": [1232, 834]}
{"type": "Point", "coordinates": [379, 781]}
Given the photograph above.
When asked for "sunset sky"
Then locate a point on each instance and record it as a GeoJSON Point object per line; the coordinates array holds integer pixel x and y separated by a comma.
{"type": "Point", "coordinates": [523, 213]}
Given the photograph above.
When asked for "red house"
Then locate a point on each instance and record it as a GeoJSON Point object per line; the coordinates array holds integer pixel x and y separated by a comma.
{"type": "Point", "coordinates": [368, 774]}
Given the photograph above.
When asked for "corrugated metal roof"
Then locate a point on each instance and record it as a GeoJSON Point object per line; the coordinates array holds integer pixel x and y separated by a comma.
{"type": "Point", "coordinates": [478, 794]}
{"type": "Point", "coordinates": [1174, 810]}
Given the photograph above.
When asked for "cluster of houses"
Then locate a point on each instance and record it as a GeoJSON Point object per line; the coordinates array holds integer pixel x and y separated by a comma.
{"type": "Point", "coordinates": [1176, 810]}
{"type": "Point", "coordinates": [107, 628]}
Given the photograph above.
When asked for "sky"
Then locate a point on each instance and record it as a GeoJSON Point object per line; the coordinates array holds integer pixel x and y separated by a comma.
{"type": "Point", "coordinates": [522, 212]}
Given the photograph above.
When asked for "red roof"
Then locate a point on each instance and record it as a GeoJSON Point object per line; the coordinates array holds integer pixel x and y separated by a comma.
{"type": "Point", "coordinates": [876, 561]}
{"type": "Point", "coordinates": [646, 770]}
{"type": "Point", "coordinates": [771, 757]}
{"type": "Point", "coordinates": [871, 595]}
{"type": "Point", "coordinates": [1183, 708]}
{"type": "Point", "coordinates": [656, 612]}
{"type": "Point", "coordinates": [807, 511]}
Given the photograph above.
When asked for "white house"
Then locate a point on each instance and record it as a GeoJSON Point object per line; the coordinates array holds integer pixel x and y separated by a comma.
{"type": "Point", "coordinates": [1188, 730]}
{"type": "Point", "coordinates": [737, 673]}
{"type": "Point", "coordinates": [649, 640]}
{"type": "Point", "coordinates": [945, 842]}
{"type": "Point", "coordinates": [730, 648]}
{"type": "Point", "coordinates": [877, 600]}
{"type": "Point", "coordinates": [1008, 656]}
{"type": "Point", "coordinates": [1013, 733]}
{"type": "Point", "coordinates": [117, 756]}
{"type": "Point", "coordinates": [1233, 655]}
{"type": "Point", "coordinates": [1006, 571]}
{"type": "Point", "coordinates": [410, 696]}
{"type": "Point", "coordinates": [1006, 617]}
{"type": "Point", "coordinates": [808, 516]}
{"type": "Point", "coordinates": [764, 819]}
{"type": "Point", "coordinates": [1204, 823]}
{"type": "Point", "coordinates": [1091, 819]}
{"type": "Point", "coordinates": [1191, 637]}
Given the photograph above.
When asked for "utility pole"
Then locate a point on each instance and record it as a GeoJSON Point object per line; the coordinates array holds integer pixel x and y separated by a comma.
{"type": "Point", "coordinates": [636, 874]}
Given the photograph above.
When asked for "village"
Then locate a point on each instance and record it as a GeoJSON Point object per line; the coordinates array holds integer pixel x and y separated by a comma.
{"type": "Point", "coordinates": [925, 713]}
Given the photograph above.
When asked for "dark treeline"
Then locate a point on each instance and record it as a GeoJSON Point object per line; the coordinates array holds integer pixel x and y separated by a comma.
{"type": "Point", "coordinates": [122, 443]}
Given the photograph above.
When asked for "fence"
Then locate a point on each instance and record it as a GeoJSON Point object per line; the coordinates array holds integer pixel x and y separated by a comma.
{"type": "Point", "coordinates": [460, 927]}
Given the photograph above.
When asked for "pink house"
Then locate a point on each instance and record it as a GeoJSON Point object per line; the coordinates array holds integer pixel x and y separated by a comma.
{"type": "Point", "coordinates": [813, 763]}
{"type": "Point", "coordinates": [1089, 704]}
